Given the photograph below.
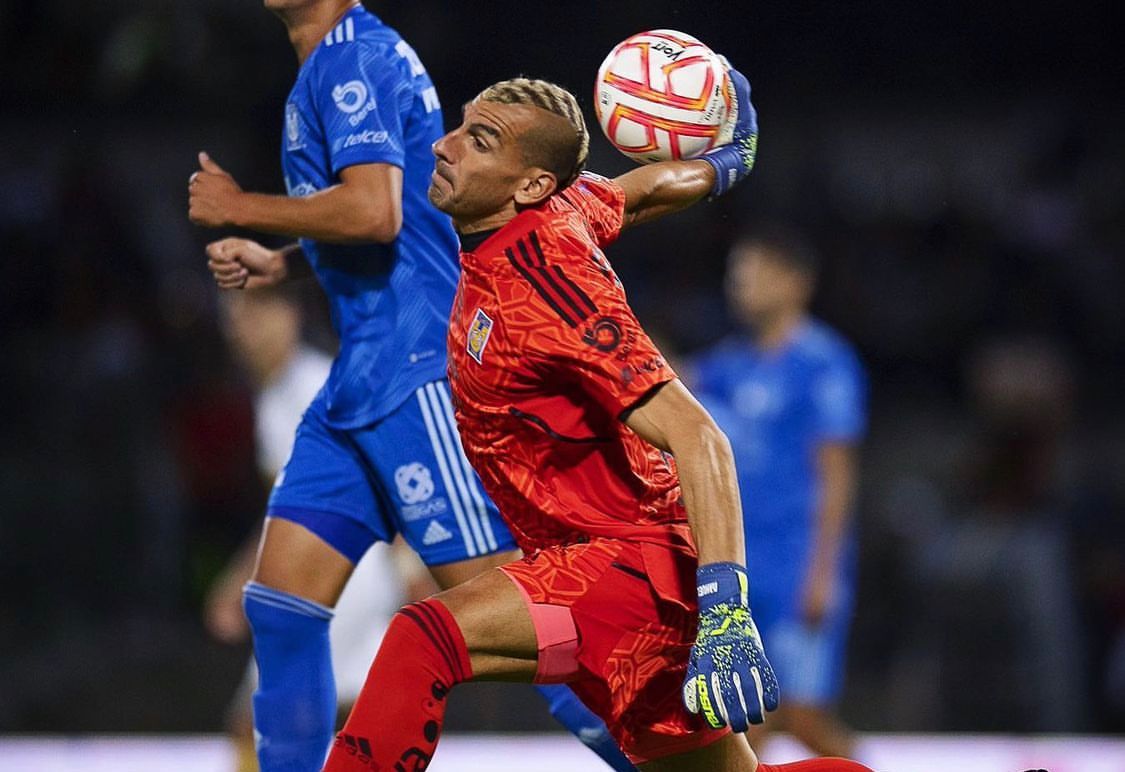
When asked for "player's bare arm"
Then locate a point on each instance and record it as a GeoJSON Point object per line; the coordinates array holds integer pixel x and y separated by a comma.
{"type": "Point", "coordinates": [659, 189]}
{"type": "Point", "coordinates": [665, 187]}
{"type": "Point", "coordinates": [364, 207]}
{"type": "Point", "coordinates": [674, 421]}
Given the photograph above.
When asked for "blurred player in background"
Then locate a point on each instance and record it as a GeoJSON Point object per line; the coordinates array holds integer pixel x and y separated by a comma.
{"type": "Point", "coordinates": [377, 453]}
{"type": "Point", "coordinates": [570, 413]}
{"type": "Point", "coordinates": [264, 331]}
{"type": "Point", "coordinates": [790, 393]}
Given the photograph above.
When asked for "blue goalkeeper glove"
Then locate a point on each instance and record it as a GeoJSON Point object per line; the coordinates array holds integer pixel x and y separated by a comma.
{"type": "Point", "coordinates": [729, 679]}
{"type": "Point", "coordinates": [734, 160]}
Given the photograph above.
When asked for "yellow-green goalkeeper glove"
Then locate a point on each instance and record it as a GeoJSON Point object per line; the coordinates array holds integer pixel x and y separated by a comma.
{"type": "Point", "coordinates": [735, 158]}
{"type": "Point", "coordinates": [729, 680]}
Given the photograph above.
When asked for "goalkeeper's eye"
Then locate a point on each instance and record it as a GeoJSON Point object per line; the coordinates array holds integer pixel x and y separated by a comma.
{"type": "Point", "coordinates": [480, 136]}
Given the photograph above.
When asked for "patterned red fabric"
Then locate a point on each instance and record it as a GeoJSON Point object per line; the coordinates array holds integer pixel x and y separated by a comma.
{"type": "Point", "coordinates": [634, 609]}
{"type": "Point", "coordinates": [545, 357]}
{"type": "Point", "coordinates": [397, 719]}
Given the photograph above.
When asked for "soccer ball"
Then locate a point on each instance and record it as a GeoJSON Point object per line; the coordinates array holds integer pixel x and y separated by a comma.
{"type": "Point", "coordinates": [663, 95]}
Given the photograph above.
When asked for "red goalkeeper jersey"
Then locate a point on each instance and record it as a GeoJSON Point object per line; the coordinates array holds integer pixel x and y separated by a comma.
{"type": "Point", "coordinates": [545, 356]}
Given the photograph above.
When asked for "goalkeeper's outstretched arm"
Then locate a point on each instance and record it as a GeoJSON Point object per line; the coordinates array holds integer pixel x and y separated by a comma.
{"type": "Point", "coordinates": [661, 188]}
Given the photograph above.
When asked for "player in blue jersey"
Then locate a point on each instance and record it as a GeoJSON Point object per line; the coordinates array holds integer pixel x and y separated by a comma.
{"type": "Point", "coordinates": [377, 452]}
{"type": "Point", "coordinates": [790, 394]}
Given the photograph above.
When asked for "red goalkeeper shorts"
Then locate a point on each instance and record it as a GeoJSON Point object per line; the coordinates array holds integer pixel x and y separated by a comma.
{"type": "Point", "coordinates": [634, 611]}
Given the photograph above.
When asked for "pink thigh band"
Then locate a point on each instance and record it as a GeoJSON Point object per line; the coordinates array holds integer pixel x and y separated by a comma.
{"type": "Point", "coordinates": [556, 637]}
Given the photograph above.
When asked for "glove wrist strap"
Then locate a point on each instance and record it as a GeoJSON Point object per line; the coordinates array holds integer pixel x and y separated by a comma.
{"type": "Point", "coordinates": [732, 163]}
{"type": "Point", "coordinates": [721, 583]}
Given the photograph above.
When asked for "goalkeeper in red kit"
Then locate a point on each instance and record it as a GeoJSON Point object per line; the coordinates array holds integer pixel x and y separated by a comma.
{"type": "Point", "coordinates": [616, 483]}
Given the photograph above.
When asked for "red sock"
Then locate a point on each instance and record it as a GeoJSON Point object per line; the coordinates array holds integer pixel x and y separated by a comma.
{"type": "Point", "coordinates": [398, 715]}
{"type": "Point", "coordinates": [827, 764]}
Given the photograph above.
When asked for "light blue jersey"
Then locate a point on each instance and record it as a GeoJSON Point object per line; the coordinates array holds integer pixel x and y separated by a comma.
{"type": "Point", "coordinates": [363, 96]}
{"type": "Point", "coordinates": [377, 452]}
{"type": "Point", "coordinates": [777, 406]}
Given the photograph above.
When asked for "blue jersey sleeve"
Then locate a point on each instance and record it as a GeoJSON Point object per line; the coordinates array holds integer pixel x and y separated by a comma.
{"type": "Point", "coordinates": [839, 399]}
{"type": "Point", "coordinates": [362, 93]}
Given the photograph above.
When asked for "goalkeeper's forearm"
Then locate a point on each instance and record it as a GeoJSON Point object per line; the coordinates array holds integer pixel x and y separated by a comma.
{"type": "Point", "coordinates": [710, 486]}
{"type": "Point", "coordinates": [674, 421]}
{"type": "Point", "coordinates": [659, 189]}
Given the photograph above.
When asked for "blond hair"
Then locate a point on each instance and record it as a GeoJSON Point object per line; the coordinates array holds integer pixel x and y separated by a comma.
{"type": "Point", "coordinates": [561, 153]}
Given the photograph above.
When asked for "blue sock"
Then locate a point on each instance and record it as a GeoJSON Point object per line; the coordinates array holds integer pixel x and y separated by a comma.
{"type": "Point", "coordinates": [295, 703]}
{"type": "Point", "coordinates": [569, 711]}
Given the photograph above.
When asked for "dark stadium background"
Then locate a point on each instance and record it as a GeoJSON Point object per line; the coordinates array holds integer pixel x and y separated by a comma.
{"type": "Point", "coordinates": [959, 164]}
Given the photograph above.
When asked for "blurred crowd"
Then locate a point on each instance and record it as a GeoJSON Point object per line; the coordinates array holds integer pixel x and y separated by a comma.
{"type": "Point", "coordinates": [971, 224]}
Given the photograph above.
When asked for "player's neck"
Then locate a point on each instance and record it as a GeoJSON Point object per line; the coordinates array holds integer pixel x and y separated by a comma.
{"type": "Point", "coordinates": [308, 26]}
{"type": "Point", "coordinates": [776, 330]}
{"type": "Point", "coordinates": [490, 223]}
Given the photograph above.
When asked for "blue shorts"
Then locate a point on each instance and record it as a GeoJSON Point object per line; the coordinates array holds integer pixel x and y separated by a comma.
{"type": "Point", "coordinates": [808, 661]}
{"type": "Point", "coordinates": [405, 474]}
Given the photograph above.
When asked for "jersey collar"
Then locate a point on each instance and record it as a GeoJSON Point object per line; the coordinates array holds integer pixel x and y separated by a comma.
{"type": "Point", "coordinates": [470, 242]}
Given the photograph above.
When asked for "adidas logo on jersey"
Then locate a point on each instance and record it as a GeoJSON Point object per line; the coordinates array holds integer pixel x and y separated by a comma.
{"type": "Point", "coordinates": [436, 532]}
{"type": "Point", "coordinates": [343, 32]}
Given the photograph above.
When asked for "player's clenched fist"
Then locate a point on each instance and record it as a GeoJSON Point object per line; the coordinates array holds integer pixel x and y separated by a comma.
{"type": "Point", "coordinates": [729, 680]}
{"type": "Point", "coordinates": [212, 195]}
{"type": "Point", "coordinates": [244, 264]}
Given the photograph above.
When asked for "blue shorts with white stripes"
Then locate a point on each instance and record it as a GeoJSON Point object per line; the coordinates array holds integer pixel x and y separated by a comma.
{"type": "Point", "coordinates": [405, 474]}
